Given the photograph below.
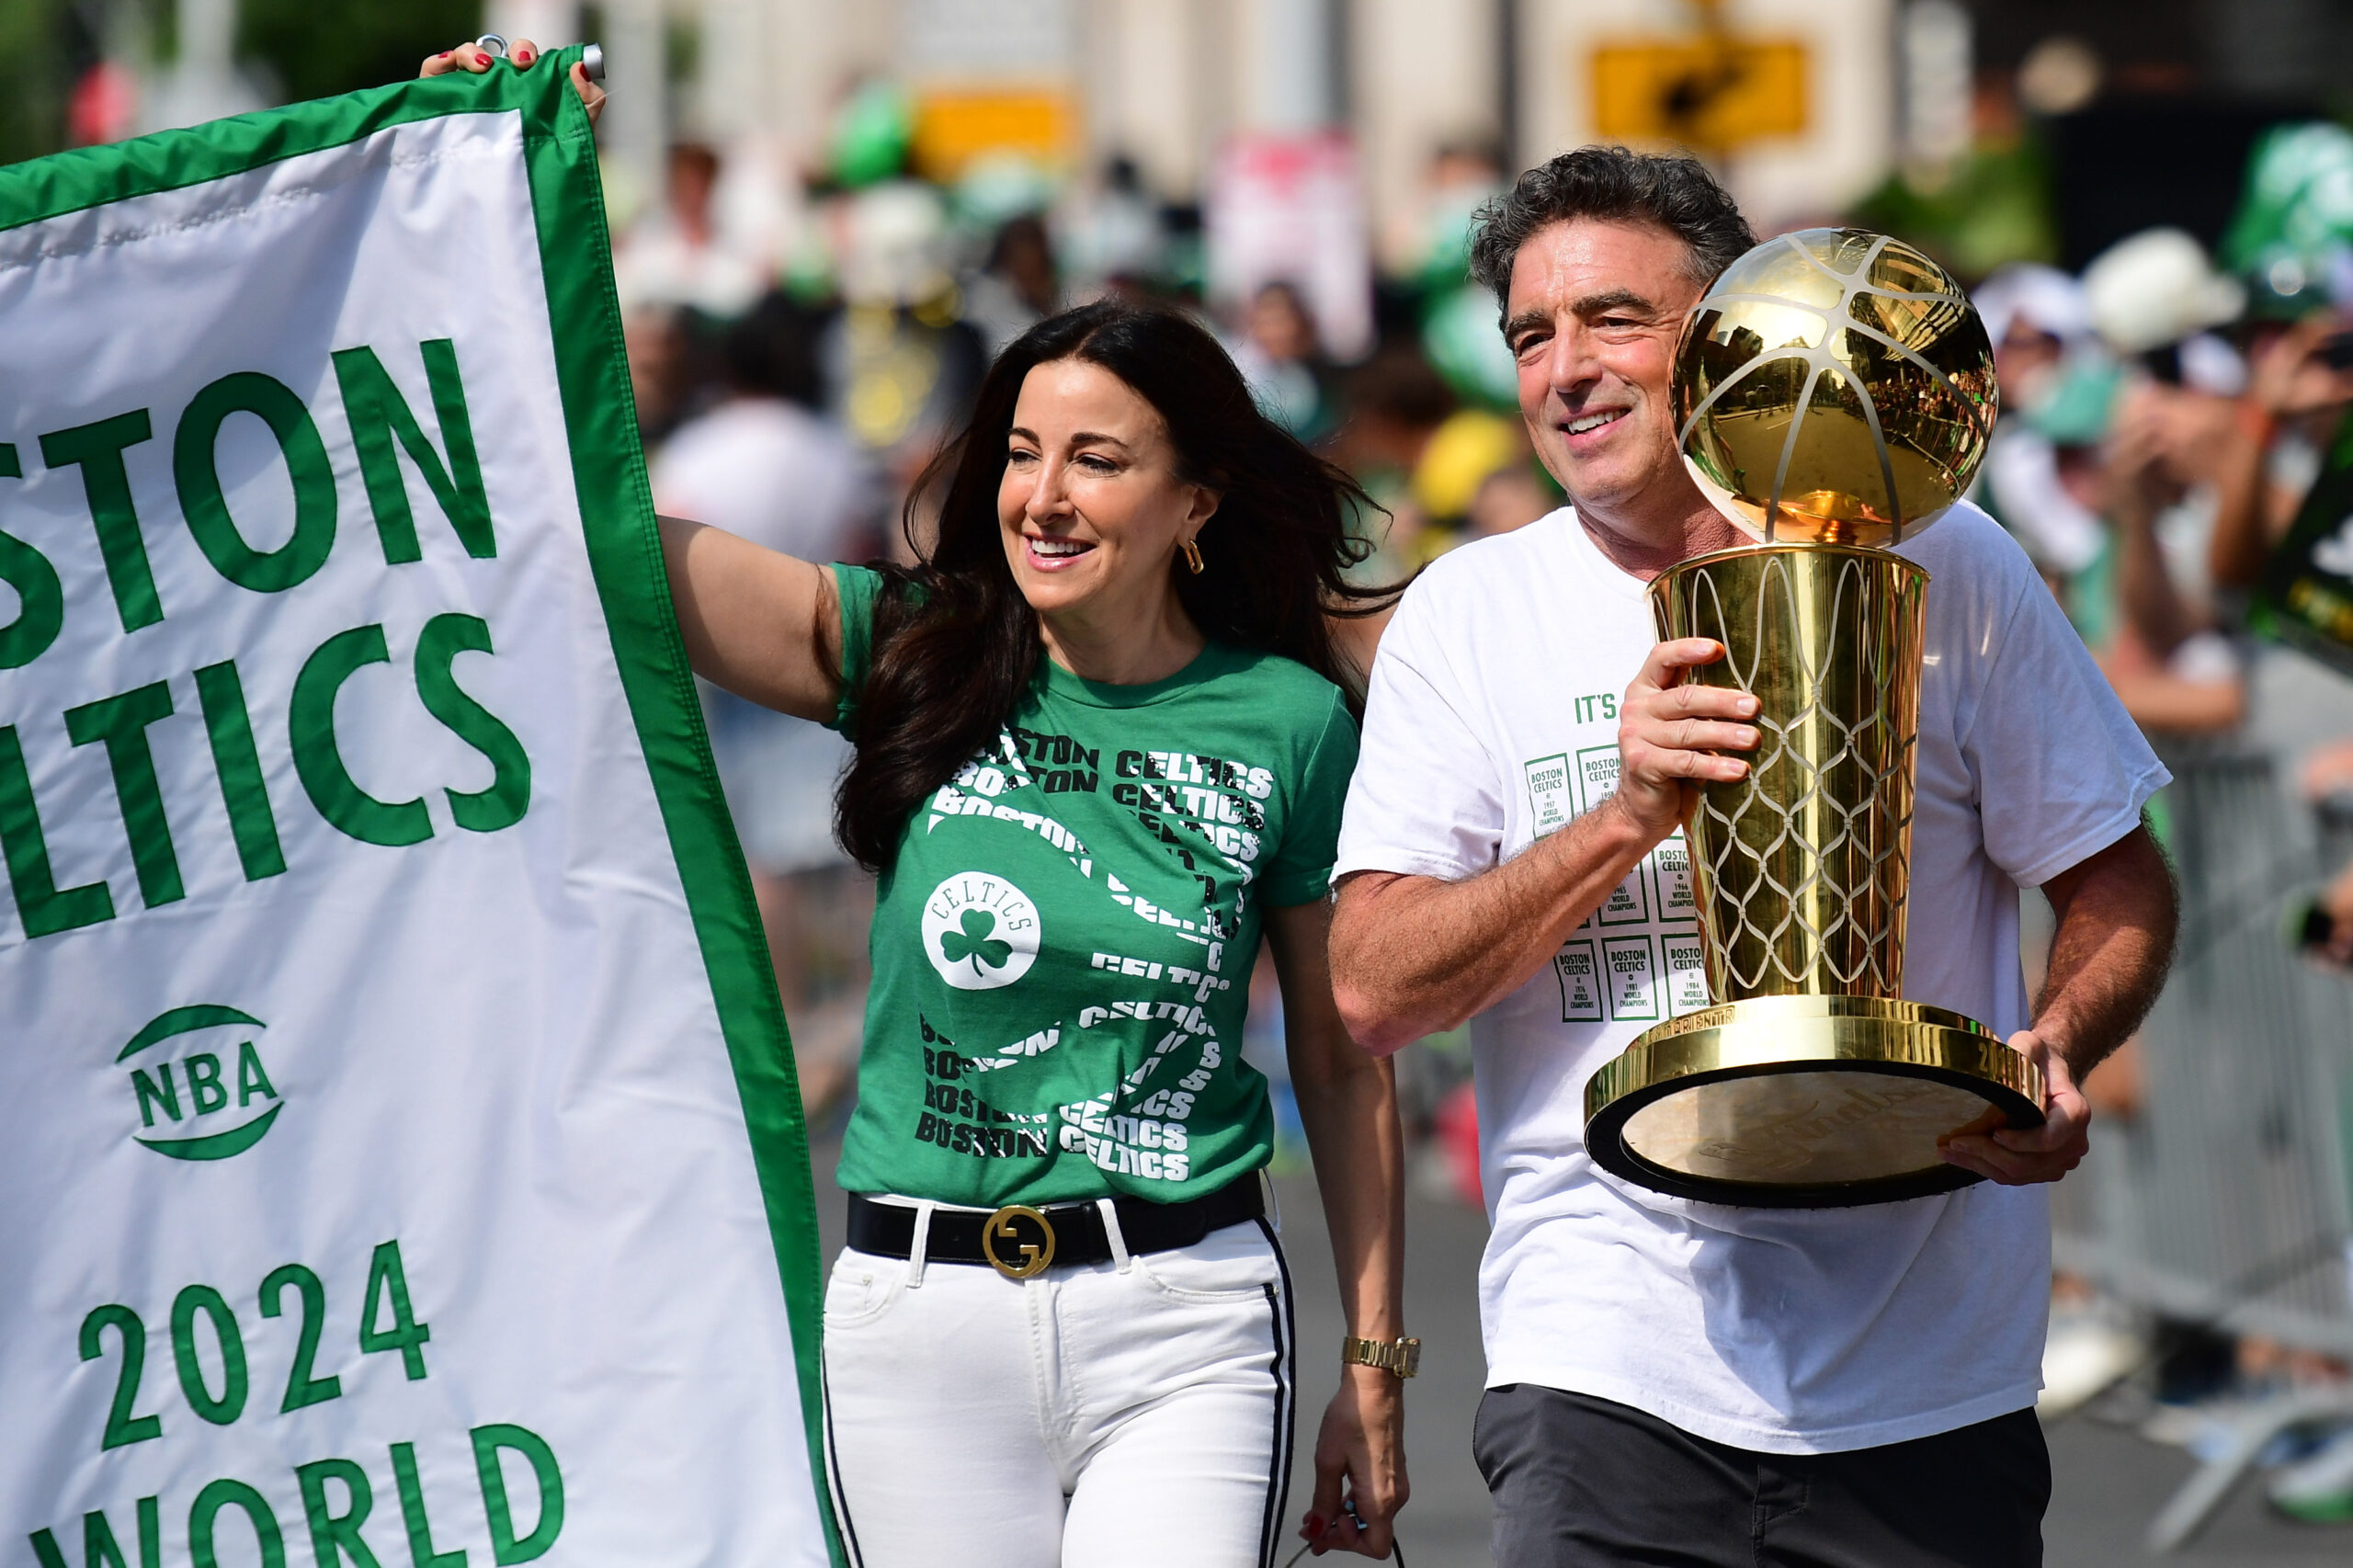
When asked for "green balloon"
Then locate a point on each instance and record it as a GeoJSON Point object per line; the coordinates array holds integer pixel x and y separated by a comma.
{"type": "Point", "coordinates": [1461, 337]}
{"type": "Point", "coordinates": [872, 132]}
{"type": "Point", "coordinates": [2295, 218]}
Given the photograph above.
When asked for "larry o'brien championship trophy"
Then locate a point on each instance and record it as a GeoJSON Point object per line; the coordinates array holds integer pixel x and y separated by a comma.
{"type": "Point", "coordinates": [1835, 390]}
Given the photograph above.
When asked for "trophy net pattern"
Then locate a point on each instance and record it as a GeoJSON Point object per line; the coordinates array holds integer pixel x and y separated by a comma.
{"type": "Point", "coordinates": [1801, 868]}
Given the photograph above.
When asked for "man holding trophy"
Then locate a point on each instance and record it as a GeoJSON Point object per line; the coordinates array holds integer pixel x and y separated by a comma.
{"type": "Point", "coordinates": [1707, 800]}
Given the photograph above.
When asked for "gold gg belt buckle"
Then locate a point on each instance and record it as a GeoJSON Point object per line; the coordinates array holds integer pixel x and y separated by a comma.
{"type": "Point", "coordinates": [1033, 1257]}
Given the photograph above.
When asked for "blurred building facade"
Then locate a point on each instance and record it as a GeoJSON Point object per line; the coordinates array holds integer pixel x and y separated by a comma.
{"type": "Point", "coordinates": [1806, 104]}
{"type": "Point", "coordinates": [1796, 96]}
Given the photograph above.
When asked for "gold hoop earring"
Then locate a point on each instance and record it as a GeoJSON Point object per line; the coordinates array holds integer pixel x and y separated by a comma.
{"type": "Point", "coordinates": [1192, 557]}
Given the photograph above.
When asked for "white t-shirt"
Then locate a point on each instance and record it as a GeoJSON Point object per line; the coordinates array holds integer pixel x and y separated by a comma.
{"type": "Point", "coordinates": [768, 471]}
{"type": "Point", "coordinates": [1493, 719]}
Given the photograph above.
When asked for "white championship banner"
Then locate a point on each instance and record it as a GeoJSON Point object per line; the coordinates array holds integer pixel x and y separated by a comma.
{"type": "Point", "coordinates": [401, 1162]}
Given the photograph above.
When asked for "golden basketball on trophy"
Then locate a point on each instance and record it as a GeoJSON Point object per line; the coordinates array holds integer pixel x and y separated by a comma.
{"type": "Point", "coordinates": [1834, 392]}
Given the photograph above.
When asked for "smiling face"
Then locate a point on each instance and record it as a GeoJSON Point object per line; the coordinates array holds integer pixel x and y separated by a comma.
{"type": "Point", "coordinates": [1592, 316]}
{"type": "Point", "coordinates": [1092, 506]}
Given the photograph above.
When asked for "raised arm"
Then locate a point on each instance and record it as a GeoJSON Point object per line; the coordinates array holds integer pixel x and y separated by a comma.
{"type": "Point", "coordinates": [2144, 586]}
{"type": "Point", "coordinates": [1415, 956]}
{"type": "Point", "coordinates": [765, 626]}
{"type": "Point", "coordinates": [2290, 382]}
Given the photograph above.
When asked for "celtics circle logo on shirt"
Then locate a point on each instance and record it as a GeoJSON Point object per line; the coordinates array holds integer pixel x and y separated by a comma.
{"type": "Point", "coordinates": [980, 931]}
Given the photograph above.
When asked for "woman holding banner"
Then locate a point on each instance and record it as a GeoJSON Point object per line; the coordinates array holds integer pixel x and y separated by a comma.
{"type": "Point", "coordinates": [1101, 748]}
{"type": "Point", "coordinates": [1102, 740]}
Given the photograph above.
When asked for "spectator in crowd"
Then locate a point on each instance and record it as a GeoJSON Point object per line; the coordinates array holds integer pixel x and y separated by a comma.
{"type": "Point", "coordinates": [679, 256]}
{"type": "Point", "coordinates": [2144, 602]}
{"type": "Point", "coordinates": [664, 377]}
{"type": "Point", "coordinates": [898, 363]}
{"type": "Point", "coordinates": [1017, 288]}
{"type": "Point", "coordinates": [1284, 363]}
{"type": "Point", "coordinates": [1394, 403]}
{"type": "Point", "coordinates": [1462, 176]}
{"type": "Point", "coordinates": [2161, 651]}
{"type": "Point", "coordinates": [2295, 399]}
{"type": "Point", "coordinates": [1478, 477]}
{"type": "Point", "coordinates": [764, 465]}
{"type": "Point", "coordinates": [2293, 413]}
{"type": "Point", "coordinates": [2050, 369]}
{"type": "Point", "coordinates": [1113, 232]}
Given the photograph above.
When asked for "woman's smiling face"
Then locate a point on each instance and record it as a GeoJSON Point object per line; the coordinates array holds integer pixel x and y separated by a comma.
{"type": "Point", "coordinates": [1092, 505]}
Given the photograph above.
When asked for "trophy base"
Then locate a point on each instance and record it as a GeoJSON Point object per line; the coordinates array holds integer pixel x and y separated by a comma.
{"type": "Point", "coordinates": [1804, 1102]}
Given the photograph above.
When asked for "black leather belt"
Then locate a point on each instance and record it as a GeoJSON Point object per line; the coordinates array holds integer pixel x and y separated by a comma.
{"type": "Point", "coordinates": [1018, 1241]}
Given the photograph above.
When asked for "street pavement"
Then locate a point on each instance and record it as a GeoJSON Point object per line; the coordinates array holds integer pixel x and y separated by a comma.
{"type": "Point", "coordinates": [2108, 1482]}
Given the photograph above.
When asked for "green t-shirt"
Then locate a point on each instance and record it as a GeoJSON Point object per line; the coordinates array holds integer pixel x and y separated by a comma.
{"type": "Point", "coordinates": [1063, 951]}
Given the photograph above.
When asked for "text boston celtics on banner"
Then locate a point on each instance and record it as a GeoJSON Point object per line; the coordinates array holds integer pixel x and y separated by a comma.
{"type": "Point", "coordinates": [400, 1156]}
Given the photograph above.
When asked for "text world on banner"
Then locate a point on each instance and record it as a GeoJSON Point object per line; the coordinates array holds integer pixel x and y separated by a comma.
{"type": "Point", "coordinates": [402, 1155]}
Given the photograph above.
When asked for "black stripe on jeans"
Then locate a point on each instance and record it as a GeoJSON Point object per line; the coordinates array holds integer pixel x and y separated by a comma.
{"type": "Point", "coordinates": [833, 1469]}
{"type": "Point", "coordinates": [1278, 1476]}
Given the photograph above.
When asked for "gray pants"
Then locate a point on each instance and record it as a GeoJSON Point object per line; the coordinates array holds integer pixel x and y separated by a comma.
{"type": "Point", "coordinates": [1582, 1482]}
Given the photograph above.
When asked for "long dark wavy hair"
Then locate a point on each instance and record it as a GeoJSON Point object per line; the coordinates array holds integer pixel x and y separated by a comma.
{"type": "Point", "coordinates": [954, 644]}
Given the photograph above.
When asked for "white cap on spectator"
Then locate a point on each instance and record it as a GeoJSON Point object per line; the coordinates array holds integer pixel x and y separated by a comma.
{"type": "Point", "coordinates": [2210, 365]}
{"type": "Point", "coordinates": [2156, 288]}
{"type": "Point", "coordinates": [895, 249]}
{"type": "Point", "coordinates": [2043, 298]}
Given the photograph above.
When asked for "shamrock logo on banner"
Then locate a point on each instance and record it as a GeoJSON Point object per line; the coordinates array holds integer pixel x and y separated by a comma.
{"type": "Point", "coordinates": [972, 941]}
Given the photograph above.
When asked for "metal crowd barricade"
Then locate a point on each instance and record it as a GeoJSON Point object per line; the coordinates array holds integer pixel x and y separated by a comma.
{"type": "Point", "coordinates": [2224, 1201]}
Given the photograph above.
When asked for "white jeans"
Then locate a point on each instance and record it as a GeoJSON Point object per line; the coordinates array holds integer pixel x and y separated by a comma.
{"type": "Point", "coordinates": [1135, 1413]}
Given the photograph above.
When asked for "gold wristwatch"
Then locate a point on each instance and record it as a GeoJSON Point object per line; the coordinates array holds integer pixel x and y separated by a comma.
{"type": "Point", "coordinates": [1402, 1357]}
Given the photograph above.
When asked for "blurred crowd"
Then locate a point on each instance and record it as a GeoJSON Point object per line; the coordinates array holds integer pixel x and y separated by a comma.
{"type": "Point", "coordinates": [802, 339]}
{"type": "Point", "coordinates": [2175, 453]}
{"type": "Point", "coordinates": [2169, 415]}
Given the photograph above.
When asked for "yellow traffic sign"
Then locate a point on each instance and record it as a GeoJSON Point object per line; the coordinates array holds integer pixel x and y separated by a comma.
{"type": "Point", "coordinates": [954, 127]}
{"type": "Point", "coordinates": [1710, 91]}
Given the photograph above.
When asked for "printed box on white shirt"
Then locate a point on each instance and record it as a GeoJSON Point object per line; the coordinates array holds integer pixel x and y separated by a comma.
{"type": "Point", "coordinates": [1550, 803]}
{"type": "Point", "coordinates": [1597, 775]}
{"type": "Point", "coordinates": [1686, 974]}
{"type": "Point", "coordinates": [1630, 975]}
{"type": "Point", "coordinates": [1671, 877]}
{"type": "Point", "coordinates": [1580, 979]}
{"type": "Point", "coordinates": [1629, 903]}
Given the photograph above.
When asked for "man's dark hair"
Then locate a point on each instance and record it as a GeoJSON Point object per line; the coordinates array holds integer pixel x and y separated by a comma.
{"type": "Point", "coordinates": [1615, 184]}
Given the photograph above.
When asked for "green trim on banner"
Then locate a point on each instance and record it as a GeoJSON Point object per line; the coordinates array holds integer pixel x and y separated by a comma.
{"type": "Point", "coordinates": [624, 554]}
{"type": "Point", "coordinates": [185, 1020]}
{"type": "Point", "coordinates": [72, 181]}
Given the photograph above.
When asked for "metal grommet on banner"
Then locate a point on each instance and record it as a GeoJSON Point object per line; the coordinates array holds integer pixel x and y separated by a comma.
{"type": "Point", "coordinates": [592, 61]}
{"type": "Point", "coordinates": [492, 45]}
